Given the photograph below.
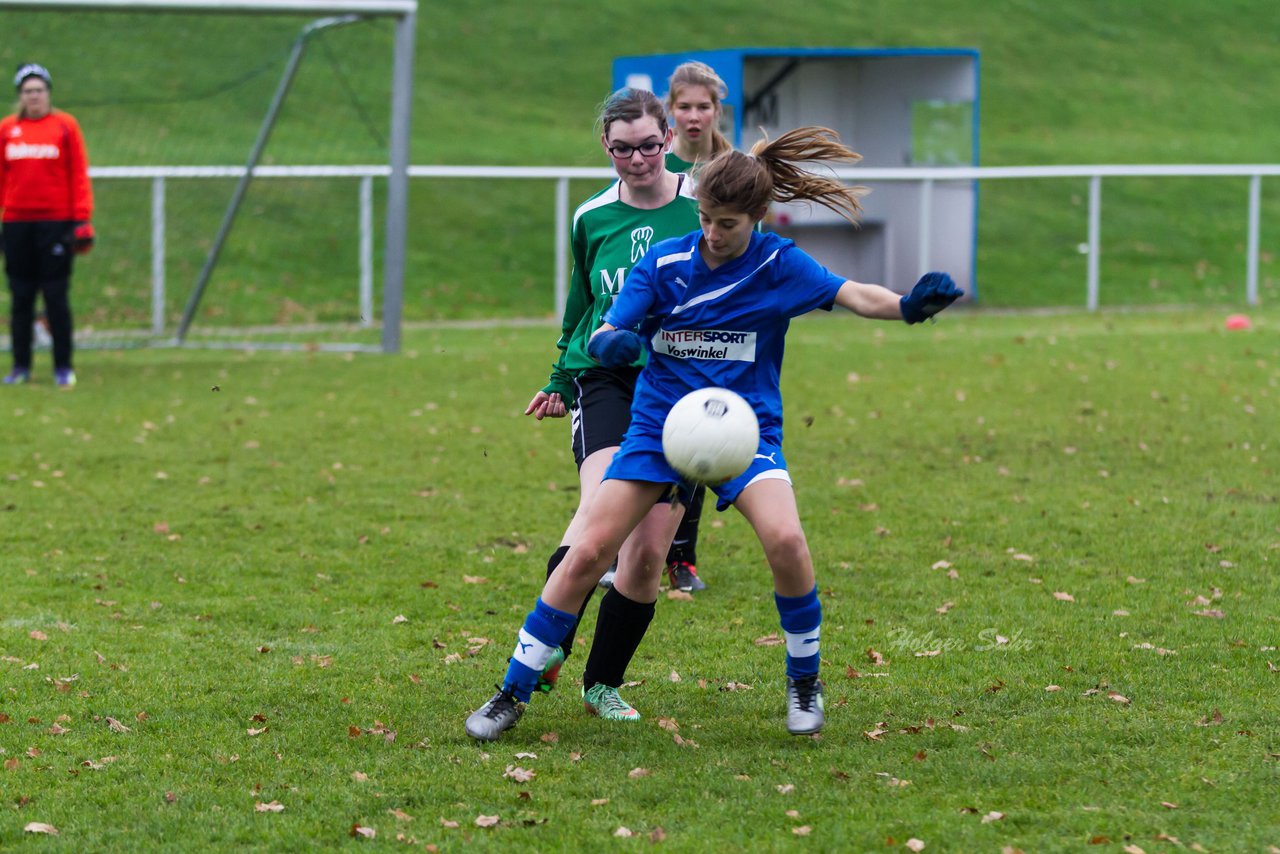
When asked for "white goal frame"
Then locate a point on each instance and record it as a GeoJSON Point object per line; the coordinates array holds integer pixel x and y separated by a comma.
{"type": "Point", "coordinates": [405, 14]}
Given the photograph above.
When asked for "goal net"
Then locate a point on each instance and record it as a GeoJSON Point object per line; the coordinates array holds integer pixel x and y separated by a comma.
{"type": "Point", "coordinates": [248, 163]}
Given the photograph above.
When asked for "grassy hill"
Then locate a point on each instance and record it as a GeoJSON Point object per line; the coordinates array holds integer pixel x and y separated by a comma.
{"type": "Point", "coordinates": [515, 83]}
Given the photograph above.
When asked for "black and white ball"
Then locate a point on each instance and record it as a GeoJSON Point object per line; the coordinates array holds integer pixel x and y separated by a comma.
{"type": "Point", "coordinates": [711, 435]}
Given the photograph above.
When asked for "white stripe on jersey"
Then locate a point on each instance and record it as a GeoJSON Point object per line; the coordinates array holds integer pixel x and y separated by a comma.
{"type": "Point", "coordinates": [531, 652]}
{"type": "Point", "coordinates": [719, 292]}
{"type": "Point", "coordinates": [608, 197]}
{"type": "Point", "coordinates": [800, 644]}
{"type": "Point", "coordinates": [674, 258]}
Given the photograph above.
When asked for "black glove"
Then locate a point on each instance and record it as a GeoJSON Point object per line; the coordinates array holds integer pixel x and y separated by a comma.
{"type": "Point", "coordinates": [614, 348]}
{"type": "Point", "coordinates": [933, 293]}
{"type": "Point", "coordinates": [82, 238]}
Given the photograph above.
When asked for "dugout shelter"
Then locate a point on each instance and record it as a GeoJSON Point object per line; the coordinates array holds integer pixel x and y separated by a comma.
{"type": "Point", "coordinates": [905, 110]}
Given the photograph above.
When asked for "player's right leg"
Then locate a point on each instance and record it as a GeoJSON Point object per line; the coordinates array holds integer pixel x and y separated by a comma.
{"type": "Point", "coordinates": [616, 509]}
{"type": "Point", "coordinates": [22, 266]}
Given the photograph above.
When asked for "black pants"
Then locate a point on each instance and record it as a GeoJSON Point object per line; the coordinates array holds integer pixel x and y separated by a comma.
{"type": "Point", "coordinates": [37, 259]}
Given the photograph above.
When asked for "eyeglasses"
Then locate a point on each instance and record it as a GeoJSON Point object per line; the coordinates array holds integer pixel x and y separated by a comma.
{"type": "Point", "coordinates": [646, 149]}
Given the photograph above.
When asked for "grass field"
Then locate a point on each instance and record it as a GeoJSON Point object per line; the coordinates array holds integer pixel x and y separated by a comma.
{"type": "Point", "coordinates": [512, 84]}
{"type": "Point", "coordinates": [242, 583]}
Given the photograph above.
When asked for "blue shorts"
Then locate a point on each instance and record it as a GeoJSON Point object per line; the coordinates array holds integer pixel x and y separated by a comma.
{"type": "Point", "coordinates": [641, 458]}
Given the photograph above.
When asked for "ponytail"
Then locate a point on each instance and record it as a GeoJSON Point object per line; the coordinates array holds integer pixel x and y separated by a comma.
{"type": "Point", "coordinates": [771, 173]}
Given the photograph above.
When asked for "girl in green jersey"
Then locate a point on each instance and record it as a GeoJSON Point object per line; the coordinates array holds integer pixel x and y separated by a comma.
{"type": "Point", "coordinates": [611, 233]}
{"type": "Point", "coordinates": [694, 92]}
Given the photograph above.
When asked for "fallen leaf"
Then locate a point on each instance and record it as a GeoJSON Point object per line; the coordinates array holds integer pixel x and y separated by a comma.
{"type": "Point", "coordinates": [623, 833]}
{"type": "Point", "coordinates": [637, 773]}
{"type": "Point", "coordinates": [476, 579]}
{"type": "Point", "coordinates": [1210, 612]}
{"type": "Point", "coordinates": [875, 657]}
{"type": "Point", "coordinates": [680, 595]}
{"type": "Point", "coordinates": [1118, 697]}
{"type": "Point", "coordinates": [363, 832]}
{"type": "Point", "coordinates": [657, 834]}
{"type": "Point", "coordinates": [549, 737]}
{"type": "Point", "coordinates": [273, 806]}
{"type": "Point", "coordinates": [444, 822]}
{"type": "Point", "coordinates": [252, 731]}
{"type": "Point", "coordinates": [915, 844]}
{"type": "Point", "coordinates": [399, 815]}
{"type": "Point", "coordinates": [992, 816]}
{"type": "Point", "coordinates": [802, 830]}
{"type": "Point", "coordinates": [928, 653]}
{"type": "Point", "coordinates": [599, 802]}
{"type": "Point", "coordinates": [1063, 597]}
{"type": "Point", "coordinates": [116, 726]}
{"type": "Point", "coordinates": [40, 827]}
{"type": "Point", "coordinates": [486, 820]}
{"type": "Point", "coordinates": [945, 607]}
{"type": "Point", "coordinates": [359, 776]}
{"type": "Point", "coordinates": [770, 639]}
{"type": "Point", "coordinates": [520, 775]}
{"type": "Point", "coordinates": [1168, 805]}
{"type": "Point", "coordinates": [398, 619]}
{"type": "Point", "coordinates": [786, 788]}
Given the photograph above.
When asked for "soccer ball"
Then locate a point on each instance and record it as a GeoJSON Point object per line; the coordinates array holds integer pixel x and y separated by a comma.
{"type": "Point", "coordinates": [711, 435]}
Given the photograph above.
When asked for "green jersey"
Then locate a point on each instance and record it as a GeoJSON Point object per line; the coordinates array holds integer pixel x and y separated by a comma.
{"type": "Point", "coordinates": [609, 237]}
{"type": "Point", "coordinates": [676, 164]}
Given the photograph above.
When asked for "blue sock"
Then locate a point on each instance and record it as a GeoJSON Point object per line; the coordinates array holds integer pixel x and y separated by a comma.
{"type": "Point", "coordinates": [801, 618]}
{"type": "Point", "coordinates": [543, 630]}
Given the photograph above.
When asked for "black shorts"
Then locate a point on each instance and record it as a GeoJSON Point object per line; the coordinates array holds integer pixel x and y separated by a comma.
{"type": "Point", "coordinates": [602, 412]}
{"type": "Point", "coordinates": [38, 252]}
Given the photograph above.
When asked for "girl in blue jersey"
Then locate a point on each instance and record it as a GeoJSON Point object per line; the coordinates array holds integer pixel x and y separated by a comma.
{"type": "Point", "coordinates": [712, 309]}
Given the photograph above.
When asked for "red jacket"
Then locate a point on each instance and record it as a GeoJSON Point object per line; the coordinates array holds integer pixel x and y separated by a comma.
{"type": "Point", "coordinates": [44, 170]}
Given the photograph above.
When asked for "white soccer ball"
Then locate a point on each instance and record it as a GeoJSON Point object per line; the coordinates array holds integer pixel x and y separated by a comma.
{"type": "Point", "coordinates": [711, 435]}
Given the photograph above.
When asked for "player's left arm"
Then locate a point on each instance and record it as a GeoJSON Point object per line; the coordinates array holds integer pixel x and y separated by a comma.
{"type": "Point", "coordinates": [933, 293]}
{"type": "Point", "coordinates": [78, 172]}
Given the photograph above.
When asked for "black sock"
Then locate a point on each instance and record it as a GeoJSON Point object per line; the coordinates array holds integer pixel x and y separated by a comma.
{"type": "Point", "coordinates": [552, 563]}
{"type": "Point", "coordinates": [684, 548]}
{"type": "Point", "coordinates": [620, 626]}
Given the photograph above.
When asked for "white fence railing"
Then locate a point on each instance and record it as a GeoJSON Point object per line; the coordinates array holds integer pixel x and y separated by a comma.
{"type": "Point", "coordinates": [925, 177]}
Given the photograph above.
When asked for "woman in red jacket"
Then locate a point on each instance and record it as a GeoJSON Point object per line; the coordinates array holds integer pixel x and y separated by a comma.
{"type": "Point", "coordinates": [45, 206]}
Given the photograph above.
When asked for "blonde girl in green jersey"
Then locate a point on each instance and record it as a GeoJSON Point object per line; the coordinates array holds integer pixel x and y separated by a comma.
{"type": "Point", "coordinates": [694, 94]}
{"type": "Point", "coordinates": [611, 233]}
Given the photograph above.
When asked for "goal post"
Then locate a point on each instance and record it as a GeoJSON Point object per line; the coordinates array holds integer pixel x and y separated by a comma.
{"type": "Point", "coordinates": [404, 15]}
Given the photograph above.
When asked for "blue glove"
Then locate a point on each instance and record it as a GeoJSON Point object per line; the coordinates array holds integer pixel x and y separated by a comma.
{"type": "Point", "coordinates": [615, 348]}
{"type": "Point", "coordinates": [933, 293]}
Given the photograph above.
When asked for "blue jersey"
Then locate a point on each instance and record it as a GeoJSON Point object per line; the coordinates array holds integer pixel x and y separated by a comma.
{"type": "Point", "coordinates": [724, 327]}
